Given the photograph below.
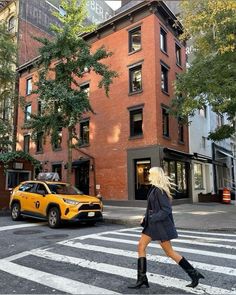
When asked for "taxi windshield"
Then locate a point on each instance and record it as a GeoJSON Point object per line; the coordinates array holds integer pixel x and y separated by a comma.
{"type": "Point", "coordinates": [63, 189]}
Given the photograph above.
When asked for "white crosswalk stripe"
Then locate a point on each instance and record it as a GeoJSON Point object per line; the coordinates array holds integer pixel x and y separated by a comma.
{"type": "Point", "coordinates": [113, 245]}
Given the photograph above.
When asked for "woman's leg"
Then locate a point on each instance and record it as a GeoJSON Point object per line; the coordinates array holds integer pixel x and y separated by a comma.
{"type": "Point", "coordinates": [142, 263]}
{"type": "Point", "coordinates": [186, 266]}
{"type": "Point", "coordinates": [170, 252]}
{"type": "Point", "coordinates": [142, 245]}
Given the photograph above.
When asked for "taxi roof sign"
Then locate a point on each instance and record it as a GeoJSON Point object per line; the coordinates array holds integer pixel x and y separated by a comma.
{"type": "Point", "coordinates": [48, 176]}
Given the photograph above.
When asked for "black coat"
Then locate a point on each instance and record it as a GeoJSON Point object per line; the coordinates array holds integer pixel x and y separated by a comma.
{"type": "Point", "coordinates": [159, 222]}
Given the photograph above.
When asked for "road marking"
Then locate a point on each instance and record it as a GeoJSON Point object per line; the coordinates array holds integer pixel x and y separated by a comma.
{"type": "Point", "coordinates": [156, 258]}
{"type": "Point", "coordinates": [162, 280]}
{"type": "Point", "coordinates": [50, 280]}
{"type": "Point", "coordinates": [17, 226]}
{"type": "Point", "coordinates": [199, 237]}
{"type": "Point", "coordinates": [181, 249]}
{"type": "Point", "coordinates": [182, 241]}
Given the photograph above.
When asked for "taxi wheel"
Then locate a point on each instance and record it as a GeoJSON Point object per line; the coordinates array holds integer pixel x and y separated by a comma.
{"type": "Point", "coordinates": [54, 219]}
{"type": "Point", "coordinates": [15, 212]}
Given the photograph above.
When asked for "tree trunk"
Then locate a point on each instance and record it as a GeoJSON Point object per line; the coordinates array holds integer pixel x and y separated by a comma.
{"type": "Point", "coordinates": [69, 154]}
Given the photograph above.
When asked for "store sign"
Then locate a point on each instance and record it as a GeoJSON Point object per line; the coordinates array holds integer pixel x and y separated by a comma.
{"type": "Point", "coordinates": [18, 165]}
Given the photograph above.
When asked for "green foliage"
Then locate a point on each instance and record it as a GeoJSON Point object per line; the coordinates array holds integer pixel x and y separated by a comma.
{"type": "Point", "coordinates": [7, 78]}
{"type": "Point", "coordinates": [63, 102]}
{"type": "Point", "coordinates": [210, 80]}
{"type": "Point", "coordinates": [8, 157]}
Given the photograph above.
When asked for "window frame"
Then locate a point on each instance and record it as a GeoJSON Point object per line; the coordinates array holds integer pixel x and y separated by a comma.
{"type": "Point", "coordinates": [85, 89]}
{"type": "Point", "coordinates": [28, 90]}
{"type": "Point", "coordinates": [27, 113]}
{"type": "Point", "coordinates": [28, 143]}
{"type": "Point", "coordinates": [178, 56]}
{"type": "Point", "coordinates": [82, 124]}
{"type": "Point", "coordinates": [11, 24]}
{"type": "Point", "coordinates": [131, 32]}
{"type": "Point", "coordinates": [132, 112]}
{"type": "Point", "coordinates": [163, 37]}
{"type": "Point", "coordinates": [164, 78]}
{"type": "Point", "coordinates": [165, 122]}
{"type": "Point", "coordinates": [132, 70]}
{"type": "Point", "coordinates": [39, 143]}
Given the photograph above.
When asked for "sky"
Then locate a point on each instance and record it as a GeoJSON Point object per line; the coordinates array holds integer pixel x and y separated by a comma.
{"type": "Point", "coordinates": [114, 4]}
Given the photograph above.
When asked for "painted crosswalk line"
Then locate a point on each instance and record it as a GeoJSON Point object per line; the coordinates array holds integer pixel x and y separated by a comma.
{"type": "Point", "coordinates": [18, 226]}
{"type": "Point", "coordinates": [50, 280]}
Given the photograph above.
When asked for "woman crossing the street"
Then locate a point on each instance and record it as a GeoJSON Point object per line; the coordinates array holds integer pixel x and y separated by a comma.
{"type": "Point", "coordinates": [159, 226]}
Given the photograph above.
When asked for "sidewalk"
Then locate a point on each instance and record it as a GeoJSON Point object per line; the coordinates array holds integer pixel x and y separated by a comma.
{"type": "Point", "coordinates": [201, 216]}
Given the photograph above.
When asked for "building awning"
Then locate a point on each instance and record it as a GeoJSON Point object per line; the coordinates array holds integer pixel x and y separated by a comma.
{"type": "Point", "coordinates": [228, 154]}
{"type": "Point", "coordinates": [79, 162]}
{"type": "Point", "coordinates": [177, 153]}
{"type": "Point", "coordinates": [202, 158]}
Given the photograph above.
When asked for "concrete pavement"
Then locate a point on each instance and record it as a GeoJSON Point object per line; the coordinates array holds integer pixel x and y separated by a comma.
{"type": "Point", "coordinates": [201, 216]}
{"type": "Point", "coordinates": [197, 216]}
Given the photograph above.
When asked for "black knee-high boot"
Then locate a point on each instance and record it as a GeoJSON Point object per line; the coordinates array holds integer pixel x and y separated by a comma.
{"type": "Point", "coordinates": [192, 272]}
{"type": "Point", "coordinates": [142, 278]}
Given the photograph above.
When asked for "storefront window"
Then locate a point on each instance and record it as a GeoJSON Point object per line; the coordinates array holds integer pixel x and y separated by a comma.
{"type": "Point", "coordinates": [198, 176]}
{"type": "Point", "coordinates": [142, 184]}
{"type": "Point", "coordinates": [13, 178]}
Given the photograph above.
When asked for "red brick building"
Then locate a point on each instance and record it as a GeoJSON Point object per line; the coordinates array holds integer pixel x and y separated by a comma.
{"type": "Point", "coordinates": [131, 130]}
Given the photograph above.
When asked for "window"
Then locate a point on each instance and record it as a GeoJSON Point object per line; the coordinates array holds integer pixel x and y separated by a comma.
{"type": "Point", "coordinates": [28, 86]}
{"type": "Point", "coordinates": [84, 132]}
{"type": "Point", "coordinates": [85, 88]}
{"type": "Point", "coordinates": [198, 176]}
{"type": "Point", "coordinates": [27, 112]}
{"type": "Point", "coordinates": [164, 78]}
{"type": "Point", "coordinates": [39, 142]}
{"type": "Point", "coordinates": [165, 122]}
{"type": "Point", "coordinates": [41, 189]}
{"type": "Point", "coordinates": [220, 120]}
{"type": "Point", "coordinates": [26, 143]}
{"type": "Point", "coordinates": [11, 24]}
{"type": "Point", "coordinates": [136, 122]}
{"type": "Point", "coordinates": [204, 142]}
{"type": "Point", "coordinates": [135, 39]}
{"type": "Point", "coordinates": [13, 178]}
{"type": "Point", "coordinates": [142, 184]}
{"type": "Point", "coordinates": [180, 130]}
{"type": "Point", "coordinates": [135, 78]}
{"type": "Point", "coordinates": [163, 43]}
{"type": "Point", "coordinates": [178, 55]}
{"type": "Point", "coordinates": [57, 145]}
{"type": "Point", "coordinates": [57, 168]}
{"type": "Point", "coordinates": [39, 108]}
{"type": "Point", "coordinates": [203, 111]}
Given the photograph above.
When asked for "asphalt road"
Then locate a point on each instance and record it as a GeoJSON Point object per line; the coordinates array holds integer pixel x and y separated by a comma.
{"type": "Point", "coordinates": [35, 259]}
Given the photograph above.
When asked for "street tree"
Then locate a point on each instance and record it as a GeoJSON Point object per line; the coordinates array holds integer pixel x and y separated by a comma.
{"type": "Point", "coordinates": [63, 103]}
{"type": "Point", "coordinates": [210, 79]}
{"type": "Point", "coordinates": [7, 89]}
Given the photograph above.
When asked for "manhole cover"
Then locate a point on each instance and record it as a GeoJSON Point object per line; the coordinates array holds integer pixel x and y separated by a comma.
{"type": "Point", "coordinates": [28, 232]}
{"type": "Point", "coordinates": [55, 237]}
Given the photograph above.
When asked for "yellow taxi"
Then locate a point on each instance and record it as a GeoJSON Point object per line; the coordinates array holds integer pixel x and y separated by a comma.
{"type": "Point", "coordinates": [54, 202]}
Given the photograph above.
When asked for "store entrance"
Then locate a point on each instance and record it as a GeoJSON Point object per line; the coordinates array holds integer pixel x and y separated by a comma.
{"type": "Point", "coordinates": [142, 185]}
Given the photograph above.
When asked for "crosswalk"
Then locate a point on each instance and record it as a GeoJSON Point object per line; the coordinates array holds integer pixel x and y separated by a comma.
{"type": "Point", "coordinates": [105, 263]}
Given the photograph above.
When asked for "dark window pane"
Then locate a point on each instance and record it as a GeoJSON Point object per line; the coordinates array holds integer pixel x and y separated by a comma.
{"type": "Point", "coordinates": [84, 133]}
{"type": "Point", "coordinates": [180, 130]}
{"type": "Point", "coordinates": [39, 142]}
{"type": "Point", "coordinates": [164, 79]}
{"type": "Point", "coordinates": [178, 54]}
{"type": "Point", "coordinates": [85, 88]}
{"type": "Point", "coordinates": [165, 122]}
{"type": "Point", "coordinates": [135, 40]}
{"type": "Point", "coordinates": [27, 112]}
{"type": "Point", "coordinates": [26, 143]}
{"type": "Point", "coordinates": [136, 122]}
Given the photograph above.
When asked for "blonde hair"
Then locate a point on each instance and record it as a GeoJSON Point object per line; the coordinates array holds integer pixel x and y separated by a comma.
{"type": "Point", "coordinates": [158, 178]}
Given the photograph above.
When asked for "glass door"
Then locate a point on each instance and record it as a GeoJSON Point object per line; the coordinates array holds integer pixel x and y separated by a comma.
{"type": "Point", "coordinates": [142, 185]}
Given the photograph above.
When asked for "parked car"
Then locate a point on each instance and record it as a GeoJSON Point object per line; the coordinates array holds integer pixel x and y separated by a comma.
{"type": "Point", "coordinates": [54, 202]}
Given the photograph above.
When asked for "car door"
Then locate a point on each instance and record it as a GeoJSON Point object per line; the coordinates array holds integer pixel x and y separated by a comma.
{"type": "Point", "coordinates": [24, 194]}
{"type": "Point", "coordinates": [40, 200]}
